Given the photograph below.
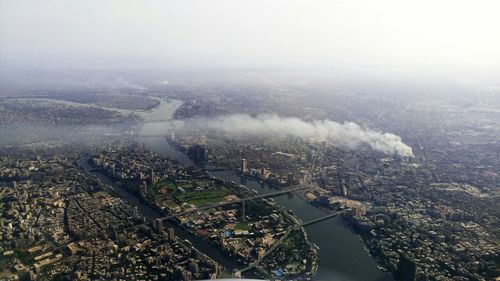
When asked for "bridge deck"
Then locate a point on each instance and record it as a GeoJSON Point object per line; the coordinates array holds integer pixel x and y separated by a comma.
{"type": "Point", "coordinates": [289, 230]}
{"type": "Point", "coordinates": [323, 218]}
{"type": "Point", "coordinates": [260, 196]}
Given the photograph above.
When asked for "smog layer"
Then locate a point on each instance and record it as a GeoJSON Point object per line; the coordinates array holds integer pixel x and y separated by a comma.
{"type": "Point", "coordinates": [346, 134]}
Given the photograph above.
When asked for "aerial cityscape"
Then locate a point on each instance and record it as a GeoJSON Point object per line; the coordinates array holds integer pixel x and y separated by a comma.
{"type": "Point", "coordinates": [127, 169]}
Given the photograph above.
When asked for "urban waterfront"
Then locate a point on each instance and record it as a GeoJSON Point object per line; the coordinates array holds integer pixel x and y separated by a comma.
{"type": "Point", "coordinates": [152, 214]}
{"type": "Point", "coordinates": [342, 254]}
{"type": "Point", "coordinates": [214, 140]}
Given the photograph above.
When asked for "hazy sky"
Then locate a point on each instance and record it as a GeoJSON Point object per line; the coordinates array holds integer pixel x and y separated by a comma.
{"type": "Point", "coordinates": [446, 34]}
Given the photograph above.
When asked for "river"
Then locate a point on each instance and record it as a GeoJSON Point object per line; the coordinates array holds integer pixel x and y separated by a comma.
{"type": "Point", "coordinates": [342, 254]}
{"type": "Point", "coordinates": [150, 213]}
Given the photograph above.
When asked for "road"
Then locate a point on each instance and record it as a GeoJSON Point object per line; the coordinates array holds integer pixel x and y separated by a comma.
{"type": "Point", "coordinates": [287, 233]}
{"type": "Point", "coordinates": [240, 200]}
{"type": "Point", "coordinates": [270, 250]}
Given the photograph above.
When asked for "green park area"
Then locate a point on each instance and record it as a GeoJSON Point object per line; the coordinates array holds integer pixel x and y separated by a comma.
{"type": "Point", "coordinates": [162, 194]}
{"type": "Point", "coordinates": [242, 226]}
{"type": "Point", "coordinates": [293, 244]}
{"type": "Point", "coordinates": [205, 197]}
{"type": "Point", "coordinates": [198, 193]}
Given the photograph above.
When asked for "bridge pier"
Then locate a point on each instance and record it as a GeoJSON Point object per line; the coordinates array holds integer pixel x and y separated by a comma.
{"type": "Point", "coordinates": [243, 200]}
{"type": "Point", "coordinates": [243, 214]}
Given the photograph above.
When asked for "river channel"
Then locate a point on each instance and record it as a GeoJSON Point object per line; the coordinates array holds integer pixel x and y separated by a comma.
{"type": "Point", "coordinates": [342, 254]}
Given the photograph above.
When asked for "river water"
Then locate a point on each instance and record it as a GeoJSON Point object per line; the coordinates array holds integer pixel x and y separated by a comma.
{"type": "Point", "coordinates": [151, 214]}
{"type": "Point", "coordinates": [342, 255]}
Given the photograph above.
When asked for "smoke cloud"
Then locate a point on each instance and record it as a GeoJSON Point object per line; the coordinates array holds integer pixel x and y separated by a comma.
{"type": "Point", "coordinates": [346, 134]}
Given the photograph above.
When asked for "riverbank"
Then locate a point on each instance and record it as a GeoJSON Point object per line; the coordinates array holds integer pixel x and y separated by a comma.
{"type": "Point", "coordinates": [342, 255]}
{"type": "Point", "coordinates": [152, 213]}
{"type": "Point", "coordinates": [173, 192]}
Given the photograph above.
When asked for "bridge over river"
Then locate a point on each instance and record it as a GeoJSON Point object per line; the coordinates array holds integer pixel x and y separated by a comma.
{"type": "Point", "coordinates": [287, 233]}
{"type": "Point", "coordinates": [240, 200]}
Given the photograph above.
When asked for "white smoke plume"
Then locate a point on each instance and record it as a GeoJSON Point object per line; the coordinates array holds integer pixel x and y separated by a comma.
{"type": "Point", "coordinates": [346, 134]}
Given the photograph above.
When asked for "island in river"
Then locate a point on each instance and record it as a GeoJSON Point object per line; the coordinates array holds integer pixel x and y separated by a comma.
{"type": "Point", "coordinates": [342, 255]}
{"type": "Point", "coordinates": [257, 233]}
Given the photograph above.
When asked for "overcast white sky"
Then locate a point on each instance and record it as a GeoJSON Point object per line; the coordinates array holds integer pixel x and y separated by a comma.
{"type": "Point", "coordinates": [446, 34]}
